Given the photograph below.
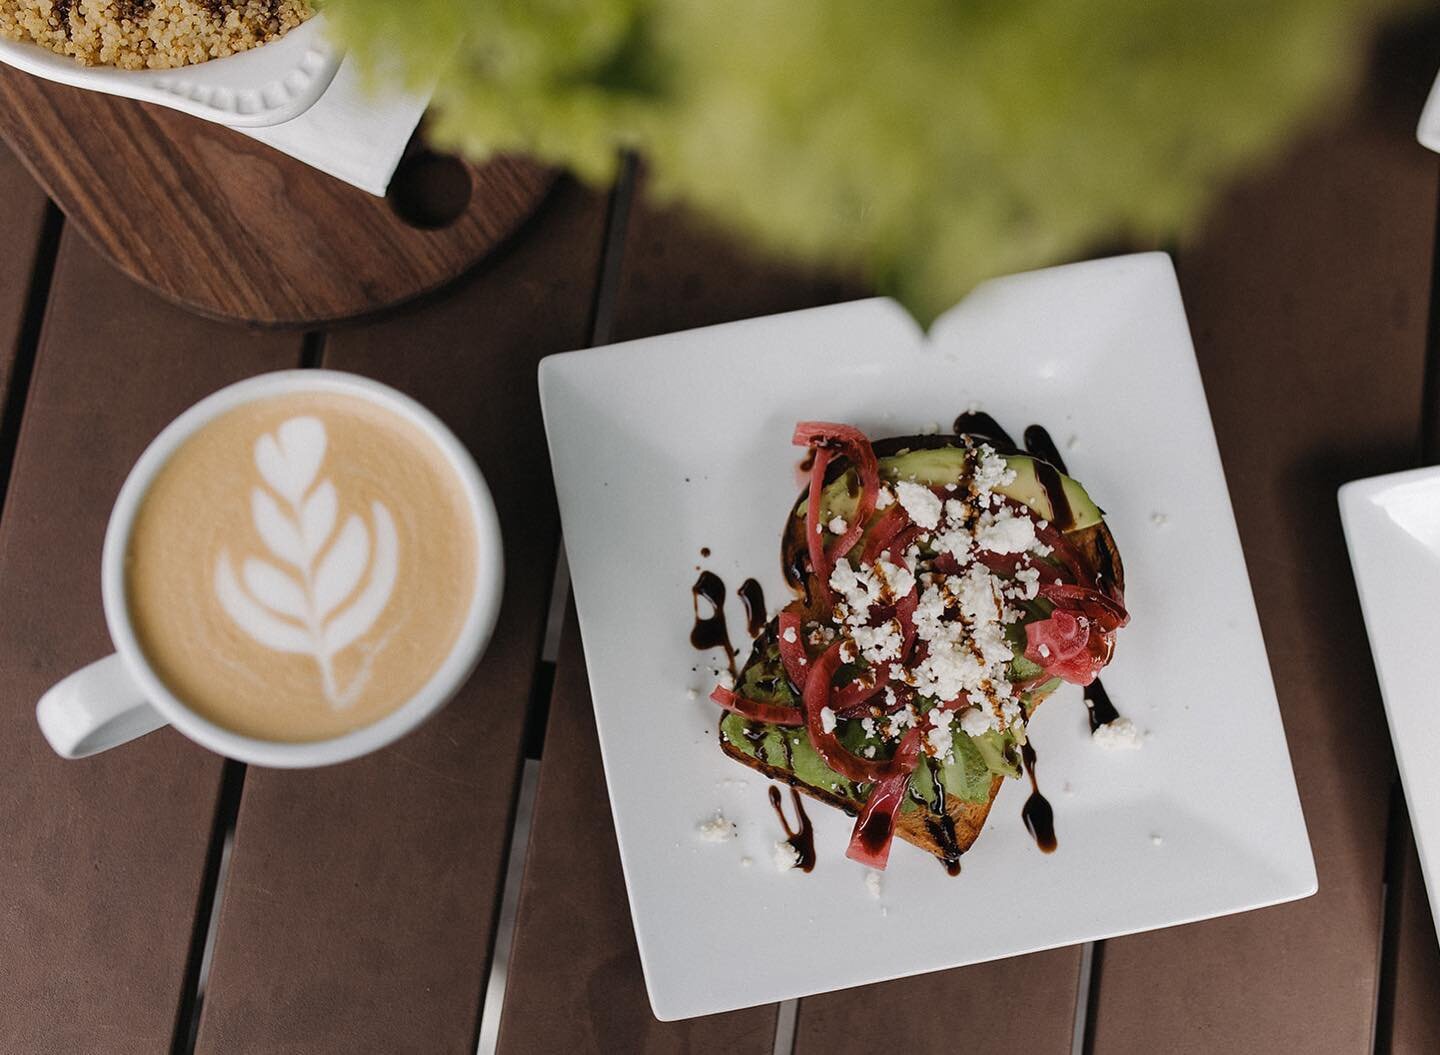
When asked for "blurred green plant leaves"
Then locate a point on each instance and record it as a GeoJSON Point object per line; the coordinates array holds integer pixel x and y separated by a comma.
{"type": "Point", "coordinates": [929, 144]}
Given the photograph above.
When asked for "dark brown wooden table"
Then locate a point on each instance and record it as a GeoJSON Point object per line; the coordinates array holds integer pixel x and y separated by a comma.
{"type": "Point", "coordinates": [463, 887]}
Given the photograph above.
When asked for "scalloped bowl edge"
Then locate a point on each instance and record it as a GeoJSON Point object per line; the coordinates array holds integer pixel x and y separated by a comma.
{"type": "Point", "coordinates": [267, 85]}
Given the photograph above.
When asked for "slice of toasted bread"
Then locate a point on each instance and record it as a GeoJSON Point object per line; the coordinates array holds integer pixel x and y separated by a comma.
{"type": "Point", "coordinates": [919, 827]}
{"type": "Point", "coordinates": [950, 835]}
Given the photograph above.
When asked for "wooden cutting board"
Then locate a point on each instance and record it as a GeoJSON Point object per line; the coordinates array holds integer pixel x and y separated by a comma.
{"type": "Point", "coordinates": [230, 228]}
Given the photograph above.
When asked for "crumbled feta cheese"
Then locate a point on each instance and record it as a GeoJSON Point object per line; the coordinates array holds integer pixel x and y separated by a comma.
{"type": "Point", "coordinates": [1004, 532]}
{"type": "Point", "coordinates": [838, 526]}
{"type": "Point", "coordinates": [884, 498]}
{"type": "Point", "coordinates": [789, 635]}
{"type": "Point", "coordinates": [827, 719]}
{"type": "Point", "coordinates": [1044, 651]}
{"type": "Point", "coordinates": [968, 653]}
{"type": "Point", "coordinates": [1029, 579]}
{"type": "Point", "coordinates": [868, 724]}
{"type": "Point", "coordinates": [860, 588]}
{"type": "Point", "coordinates": [725, 679]}
{"type": "Point", "coordinates": [1122, 733]}
{"type": "Point", "coordinates": [899, 722]}
{"type": "Point", "coordinates": [870, 751]}
{"type": "Point", "coordinates": [939, 738]}
{"type": "Point", "coordinates": [820, 635]}
{"type": "Point", "coordinates": [991, 470]}
{"type": "Point", "coordinates": [692, 694]}
{"type": "Point", "coordinates": [878, 643]}
{"type": "Point", "coordinates": [717, 829]}
{"type": "Point", "coordinates": [1157, 840]}
{"type": "Point", "coordinates": [975, 721]}
{"type": "Point", "coordinates": [921, 503]}
{"type": "Point", "coordinates": [746, 862]}
{"type": "Point", "coordinates": [930, 429]}
{"type": "Point", "coordinates": [872, 883]}
{"type": "Point", "coordinates": [786, 856]}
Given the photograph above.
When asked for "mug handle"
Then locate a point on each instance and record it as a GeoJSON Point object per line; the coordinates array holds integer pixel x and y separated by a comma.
{"type": "Point", "coordinates": [96, 708]}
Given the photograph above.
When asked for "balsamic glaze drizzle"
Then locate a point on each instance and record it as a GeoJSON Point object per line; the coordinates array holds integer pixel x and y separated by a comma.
{"type": "Point", "coordinates": [710, 630]}
{"type": "Point", "coordinates": [753, 597]}
{"type": "Point", "coordinates": [1037, 814]}
{"type": "Point", "coordinates": [978, 423]}
{"type": "Point", "coordinates": [1039, 443]}
{"type": "Point", "coordinates": [1048, 467]}
{"type": "Point", "coordinates": [803, 839]}
{"type": "Point", "coordinates": [1097, 703]}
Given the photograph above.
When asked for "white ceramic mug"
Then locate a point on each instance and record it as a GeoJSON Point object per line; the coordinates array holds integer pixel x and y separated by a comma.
{"type": "Point", "coordinates": [120, 697]}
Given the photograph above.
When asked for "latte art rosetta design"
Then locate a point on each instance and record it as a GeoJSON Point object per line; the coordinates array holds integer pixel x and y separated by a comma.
{"type": "Point", "coordinates": [303, 608]}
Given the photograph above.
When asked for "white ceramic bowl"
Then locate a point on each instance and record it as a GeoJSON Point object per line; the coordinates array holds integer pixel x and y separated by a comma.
{"type": "Point", "coordinates": [263, 86]}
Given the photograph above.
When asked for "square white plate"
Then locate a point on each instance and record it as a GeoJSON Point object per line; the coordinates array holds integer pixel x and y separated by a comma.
{"type": "Point", "coordinates": [666, 445]}
{"type": "Point", "coordinates": [1392, 527]}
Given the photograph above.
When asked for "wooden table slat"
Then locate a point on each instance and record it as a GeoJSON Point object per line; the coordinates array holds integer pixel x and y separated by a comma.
{"type": "Point", "coordinates": [361, 900]}
{"type": "Point", "coordinates": [105, 858]}
{"type": "Point", "coordinates": [674, 275]}
{"type": "Point", "coordinates": [1414, 1025]}
{"type": "Point", "coordinates": [1027, 1004]}
{"type": "Point", "coordinates": [22, 219]}
{"type": "Point", "coordinates": [1307, 293]}
{"type": "Point", "coordinates": [574, 976]}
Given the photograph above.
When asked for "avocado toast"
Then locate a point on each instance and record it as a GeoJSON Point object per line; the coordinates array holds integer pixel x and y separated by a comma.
{"type": "Point", "coordinates": [942, 589]}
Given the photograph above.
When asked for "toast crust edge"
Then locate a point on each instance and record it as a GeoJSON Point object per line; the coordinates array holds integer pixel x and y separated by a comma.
{"type": "Point", "coordinates": [968, 817]}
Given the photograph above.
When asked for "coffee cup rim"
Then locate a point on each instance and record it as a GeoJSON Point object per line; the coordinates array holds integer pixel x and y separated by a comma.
{"type": "Point", "coordinates": [464, 654]}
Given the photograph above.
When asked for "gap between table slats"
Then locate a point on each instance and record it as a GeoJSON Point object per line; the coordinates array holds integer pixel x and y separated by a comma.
{"type": "Point", "coordinates": [32, 228]}
{"type": "Point", "coordinates": [101, 904]}
{"type": "Point", "coordinates": [1307, 292]}
{"type": "Point", "coordinates": [362, 899]}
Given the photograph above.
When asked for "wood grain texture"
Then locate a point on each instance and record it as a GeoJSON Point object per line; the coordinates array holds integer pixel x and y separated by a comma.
{"type": "Point", "coordinates": [1414, 1025]}
{"type": "Point", "coordinates": [677, 274]}
{"type": "Point", "coordinates": [231, 228]}
{"type": "Point", "coordinates": [361, 902]}
{"type": "Point", "coordinates": [103, 859]}
{"type": "Point", "coordinates": [1030, 1000]}
{"type": "Point", "coordinates": [575, 984]}
{"type": "Point", "coordinates": [674, 275]}
{"type": "Point", "coordinates": [1307, 293]}
{"type": "Point", "coordinates": [22, 219]}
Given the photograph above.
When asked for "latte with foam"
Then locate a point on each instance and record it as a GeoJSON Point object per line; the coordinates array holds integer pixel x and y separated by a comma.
{"type": "Point", "coordinates": [301, 566]}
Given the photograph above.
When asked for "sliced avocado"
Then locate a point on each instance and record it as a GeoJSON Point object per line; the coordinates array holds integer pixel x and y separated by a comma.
{"type": "Point", "coordinates": [938, 466]}
{"type": "Point", "coordinates": [786, 748]}
{"type": "Point", "coordinates": [1026, 488]}
{"type": "Point", "coordinates": [993, 747]}
{"type": "Point", "coordinates": [968, 775]}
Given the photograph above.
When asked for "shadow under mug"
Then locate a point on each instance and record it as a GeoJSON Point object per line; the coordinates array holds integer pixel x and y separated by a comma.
{"type": "Point", "coordinates": [120, 697]}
